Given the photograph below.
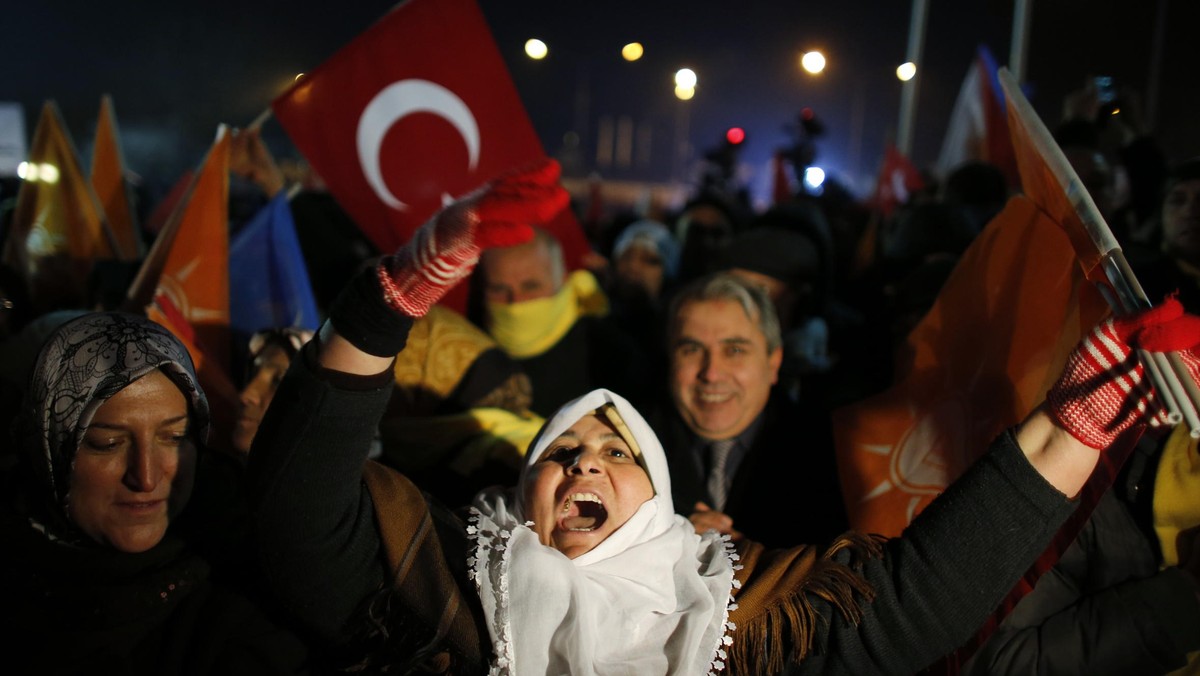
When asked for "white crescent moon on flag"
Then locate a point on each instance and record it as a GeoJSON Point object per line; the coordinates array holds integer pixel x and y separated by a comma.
{"type": "Point", "coordinates": [397, 101]}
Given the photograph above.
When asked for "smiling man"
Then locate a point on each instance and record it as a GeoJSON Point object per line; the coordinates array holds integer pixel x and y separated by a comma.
{"type": "Point", "coordinates": [744, 458]}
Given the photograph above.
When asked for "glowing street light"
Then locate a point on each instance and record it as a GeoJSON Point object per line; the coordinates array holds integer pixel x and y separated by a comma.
{"type": "Point", "coordinates": [536, 49]}
{"type": "Point", "coordinates": [814, 177]}
{"type": "Point", "coordinates": [685, 78]}
{"type": "Point", "coordinates": [906, 71]}
{"type": "Point", "coordinates": [813, 62]}
{"type": "Point", "coordinates": [33, 172]}
{"type": "Point", "coordinates": [632, 51]}
{"type": "Point", "coordinates": [684, 93]}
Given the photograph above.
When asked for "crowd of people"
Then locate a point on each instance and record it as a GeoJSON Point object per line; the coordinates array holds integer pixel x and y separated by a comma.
{"type": "Point", "coordinates": [624, 468]}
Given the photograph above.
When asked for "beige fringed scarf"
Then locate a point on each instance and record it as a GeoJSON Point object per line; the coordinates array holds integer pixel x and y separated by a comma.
{"type": "Point", "coordinates": [774, 614]}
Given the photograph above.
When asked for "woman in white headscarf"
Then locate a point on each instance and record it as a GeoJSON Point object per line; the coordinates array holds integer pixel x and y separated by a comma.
{"type": "Point", "coordinates": [583, 567]}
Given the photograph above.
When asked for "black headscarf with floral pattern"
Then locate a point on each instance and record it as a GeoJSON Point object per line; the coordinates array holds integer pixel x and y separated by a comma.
{"type": "Point", "coordinates": [82, 364]}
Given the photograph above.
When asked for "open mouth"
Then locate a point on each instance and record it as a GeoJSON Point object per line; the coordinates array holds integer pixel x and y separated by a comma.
{"type": "Point", "coordinates": [582, 513]}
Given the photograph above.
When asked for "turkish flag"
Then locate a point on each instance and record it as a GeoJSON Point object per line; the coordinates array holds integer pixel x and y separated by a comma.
{"type": "Point", "coordinates": [417, 110]}
{"type": "Point", "coordinates": [898, 179]}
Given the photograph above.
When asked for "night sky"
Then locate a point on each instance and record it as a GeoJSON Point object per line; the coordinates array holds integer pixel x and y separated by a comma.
{"type": "Point", "coordinates": [176, 70]}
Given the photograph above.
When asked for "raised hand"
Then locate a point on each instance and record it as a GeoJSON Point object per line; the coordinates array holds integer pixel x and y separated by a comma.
{"type": "Point", "coordinates": [446, 248]}
{"type": "Point", "coordinates": [1103, 389]}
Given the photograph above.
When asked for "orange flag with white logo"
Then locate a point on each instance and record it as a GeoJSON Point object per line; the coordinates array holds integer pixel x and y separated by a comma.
{"type": "Point", "coordinates": [58, 228]}
{"type": "Point", "coordinates": [108, 180]}
{"type": "Point", "coordinates": [187, 269]}
{"type": "Point", "coordinates": [982, 358]}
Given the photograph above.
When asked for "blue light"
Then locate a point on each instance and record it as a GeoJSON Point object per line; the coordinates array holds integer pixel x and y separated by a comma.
{"type": "Point", "coordinates": [814, 177]}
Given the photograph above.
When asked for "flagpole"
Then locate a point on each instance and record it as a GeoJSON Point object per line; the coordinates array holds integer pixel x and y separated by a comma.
{"type": "Point", "coordinates": [1019, 47]}
{"type": "Point", "coordinates": [1168, 373]}
{"type": "Point", "coordinates": [908, 90]}
{"type": "Point", "coordinates": [261, 119]}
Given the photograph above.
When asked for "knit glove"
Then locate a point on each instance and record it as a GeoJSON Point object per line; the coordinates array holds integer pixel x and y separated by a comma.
{"type": "Point", "coordinates": [446, 248]}
{"type": "Point", "coordinates": [1103, 389]}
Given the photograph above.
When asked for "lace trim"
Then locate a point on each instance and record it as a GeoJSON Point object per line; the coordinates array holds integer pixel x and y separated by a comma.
{"type": "Point", "coordinates": [489, 544]}
{"type": "Point", "coordinates": [720, 655]}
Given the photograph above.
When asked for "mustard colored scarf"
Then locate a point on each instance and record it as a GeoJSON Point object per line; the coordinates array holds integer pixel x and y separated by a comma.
{"type": "Point", "coordinates": [531, 327]}
{"type": "Point", "coordinates": [1176, 488]}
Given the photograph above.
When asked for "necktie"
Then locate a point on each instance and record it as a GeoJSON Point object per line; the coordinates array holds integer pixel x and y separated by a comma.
{"type": "Point", "coordinates": [718, 456]}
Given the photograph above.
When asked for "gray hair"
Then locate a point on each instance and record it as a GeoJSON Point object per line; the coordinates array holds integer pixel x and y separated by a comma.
{"type": "Point", "coordinates": [724, 286]}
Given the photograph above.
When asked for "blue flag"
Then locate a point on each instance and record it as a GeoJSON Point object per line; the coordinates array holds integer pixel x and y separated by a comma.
{"type": "Point", "coordinates": [268, 281]}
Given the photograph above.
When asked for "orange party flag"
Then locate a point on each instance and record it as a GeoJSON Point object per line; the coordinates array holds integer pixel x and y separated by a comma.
{"type": "Point", "coordinates": [58, 229]}
{"type": "Point", "coordinates": [187, 269]}
{"type": "Point", "coordinates": [980, 360]}
{"type": "Point", "coordinates": [108, 180]}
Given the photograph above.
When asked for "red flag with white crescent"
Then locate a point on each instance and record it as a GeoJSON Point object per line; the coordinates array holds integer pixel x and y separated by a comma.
{"type": "Point", "coordinates": [898, 179]}
{"type": "Point", "coordinates": [417, 110]}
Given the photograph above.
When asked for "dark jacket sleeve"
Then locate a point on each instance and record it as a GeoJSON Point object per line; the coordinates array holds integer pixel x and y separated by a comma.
{"type": "Point", "coordinates": [937, 583]}
{"type": "Point", "coordinates": [1105, 608]}
{"type": "Point", "coordinates": [315, 524]}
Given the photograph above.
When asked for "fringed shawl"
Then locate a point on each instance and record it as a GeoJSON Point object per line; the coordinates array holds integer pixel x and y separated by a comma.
{"type": "Point", "coordinates": [775, 615]}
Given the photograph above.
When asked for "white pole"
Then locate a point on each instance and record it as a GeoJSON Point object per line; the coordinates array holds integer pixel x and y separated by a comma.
{"type": "Point", "coordinates": [1019, 49]}
{"type": "Point", "coordinates": [908, 90]}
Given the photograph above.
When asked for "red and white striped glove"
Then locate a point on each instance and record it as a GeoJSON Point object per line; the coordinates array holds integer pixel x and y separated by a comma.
{"type": "Point", "coordinates": [446, 248]}
{"type": "Point", "coordinates": [1103, 389]}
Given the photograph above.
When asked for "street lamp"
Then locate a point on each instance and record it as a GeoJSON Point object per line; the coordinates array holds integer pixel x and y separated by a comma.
{"type": "Point", "coordinates": [813, 62]}
{"type": "Point", "coordinates": [906, 71]}
{"type": "Point", "coordinates": [632, 51]}
{"type": "Point", "coordinates": [536, 49]}
{"type": "Point", "coordinates": [685, 89]}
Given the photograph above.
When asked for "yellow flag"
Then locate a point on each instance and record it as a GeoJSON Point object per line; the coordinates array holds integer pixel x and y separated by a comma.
{"type": "Point", "coordinates": [108, 180]}
{"type": "Point", "coordinates": [58, 228]}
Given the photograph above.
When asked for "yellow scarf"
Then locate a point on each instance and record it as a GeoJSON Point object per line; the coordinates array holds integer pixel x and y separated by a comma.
{"type": "Point", "coordinates": [1175, 489]}
{"type": "Point", "coordinates": [531, 327]}
{"type": "Point", "coordinates": [1175, 506]}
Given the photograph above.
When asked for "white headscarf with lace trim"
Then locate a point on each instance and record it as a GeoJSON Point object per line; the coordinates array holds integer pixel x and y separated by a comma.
{"type": "Point", "coordinates": [652, 598]}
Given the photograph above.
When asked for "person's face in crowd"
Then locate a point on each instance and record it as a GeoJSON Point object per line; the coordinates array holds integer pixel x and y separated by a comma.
{"type": "Point", "coordinates": [133, 471]}
{"type": "Point", "coordinates": [709, 224]}
{"type": "Point", "coordinates": [586, 485]}
{"type": "Point", "coordinates": [1181, 220]}
{"type": "Point", "coordinates": [518, 273]}
{"type": "Point", "coordinates": [721, 370]}
{"type": "Point", "coordinates": [269, 367]}
{"type": "Point", "coordinates": [641, 266]}
{"type": "Point", "coordinates": [1096, 175]}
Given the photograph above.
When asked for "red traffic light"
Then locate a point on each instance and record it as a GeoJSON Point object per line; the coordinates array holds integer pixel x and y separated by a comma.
{"type": "Point", "coordinates": [735, 135]}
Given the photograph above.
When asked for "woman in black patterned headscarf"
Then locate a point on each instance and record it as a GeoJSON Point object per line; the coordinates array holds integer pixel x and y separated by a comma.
{"type": "Point", "coordinates": [107, 442]}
